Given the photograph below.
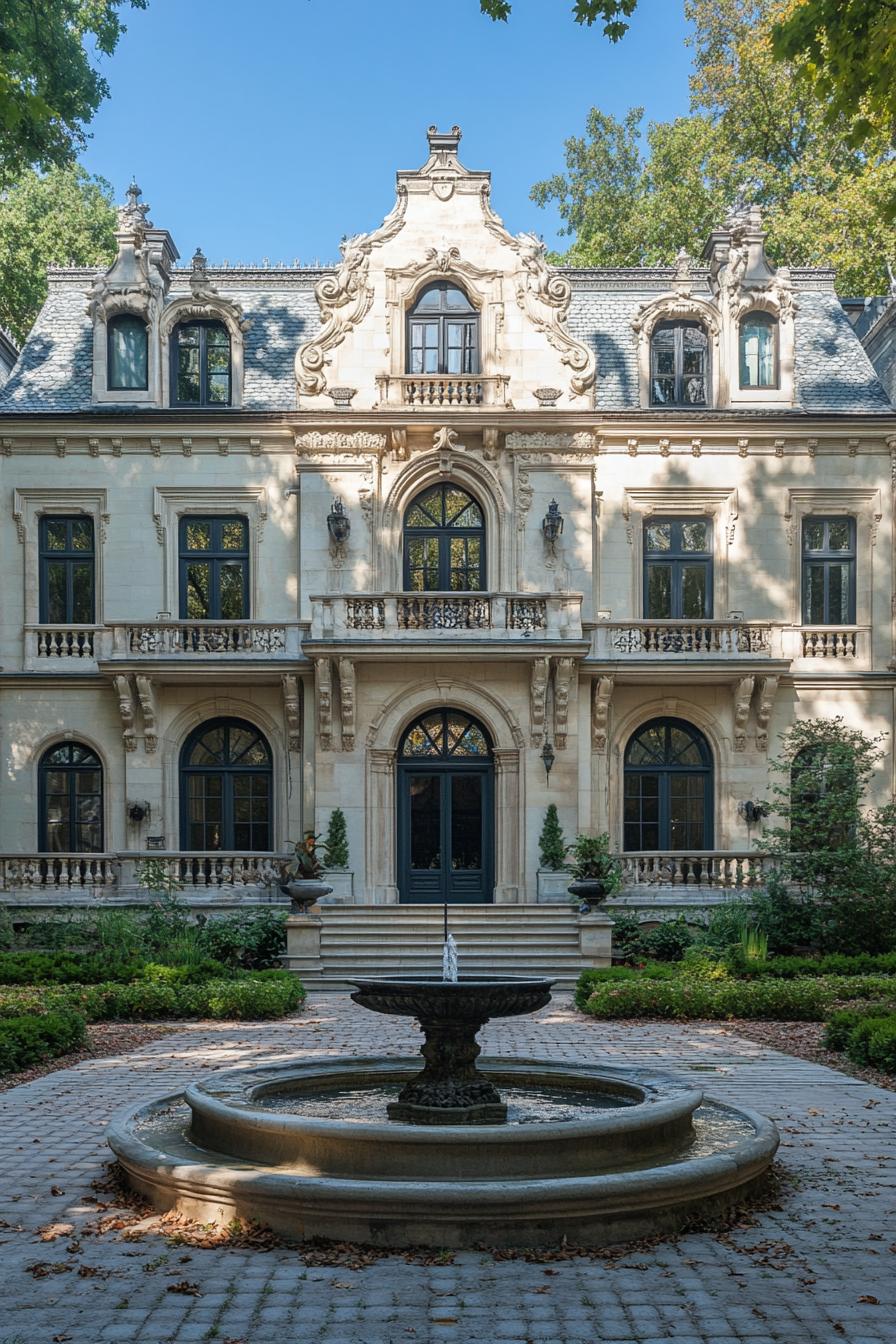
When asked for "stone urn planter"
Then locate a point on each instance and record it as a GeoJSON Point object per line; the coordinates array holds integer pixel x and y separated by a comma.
{"type": "Point", "coordinates": [303, 892]}
{"type": "Point", "coordinates": [588, 891]}
{"type": "Point", "coordinates": [595, 872]}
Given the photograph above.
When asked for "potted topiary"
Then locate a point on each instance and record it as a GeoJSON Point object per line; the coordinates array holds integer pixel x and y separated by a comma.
{"type": "Point", "coordinates": [553, 873]}
{"type": "Point", "coordinates": [596, 874]}
{"type": "Point", "coordinates": [301, 876]}
{"type": "Point", "coordinates": [336, 856]}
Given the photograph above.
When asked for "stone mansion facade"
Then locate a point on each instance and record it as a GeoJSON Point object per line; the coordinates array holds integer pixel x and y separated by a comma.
{"type": "Point", "coordinates": [438, 535]}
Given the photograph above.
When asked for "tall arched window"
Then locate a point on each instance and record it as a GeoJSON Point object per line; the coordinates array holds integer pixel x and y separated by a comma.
{"type": "Point", "coordinates": [679, 364]}
{"type": "Point", "coordinates": [127, 354]}
{"type": "Point", "coordinates": [226, 788]}
{"type": "Point", "coordinates": [758, 355]}
{"type": "Point", "coordinates": [70, 800]}
{"type": "Point", "coordinates": [444, 542]}
{"type": "Point", "coordinates": [668, 788]}
{"type": "Point", "coordinates": [200, 364]}
{"type": "Point", "coordinates": [443, 332]}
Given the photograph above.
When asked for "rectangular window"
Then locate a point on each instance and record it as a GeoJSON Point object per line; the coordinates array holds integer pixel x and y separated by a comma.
{"type": "Point", "coordinates": [214, 569]}
{"type": "Point", "coordinates": [678, 569]}
{"type": "Point", "coordinates": [67, 568]}
{"type": "Point", "coordinates": [829, 571]}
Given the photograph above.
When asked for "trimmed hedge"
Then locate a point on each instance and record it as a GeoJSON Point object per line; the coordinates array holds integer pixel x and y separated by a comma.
{"type": "Point", "coordinates": [29, 1038]}
{"type": "Point", "coordinates": [867, 1035]}
{"type": "Point", "coordinates": [265, 994]}
{"type": "Point", "coordinates": [71, 968]}
{"type": "Point", "coordinates": [778, 1000]}
{"type": "Point", "coordinates": [788, 968]}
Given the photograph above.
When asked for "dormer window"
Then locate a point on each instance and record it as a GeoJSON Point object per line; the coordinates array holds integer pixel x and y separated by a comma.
{"type": "Point", "coordinates": [128, 349]}
{"type": "Point", "coordinates": [443, 332]}
{"type": "Point", "coordinates": [758, 350]}
{"type": "Point", "coordinates": [679, 364]}
{"type": "Point", "coordinates": [200, 364]}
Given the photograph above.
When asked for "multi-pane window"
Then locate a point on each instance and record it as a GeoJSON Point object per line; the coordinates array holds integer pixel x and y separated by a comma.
{"type": "Point", "coordinates": [668, 788]}
{"type": "Point", "coordinates": [678, 569]}
{"type": "Point", "coordinates": [127, 354]}
{"type": "Point", "coordinates": [200, 364]}
{"type": "Point", "coordinates": [758, 355]}
{"type": "Point", "coordinates": [214, 569]}
{"type": "Point", "coordinates": [679, 364]}
{"type": "Point", "coordinates": [829, 571]}
{"type": "Point", "coordinates": [226, 787]}
{"type": "Point", "coordinates": [444, 542]}
{"type": "Point", "coordinates": [443, 332]}
{"type": "Point", "coordinates": [67, 558]}
{"type": "Point", "coordinates": [70, 798]}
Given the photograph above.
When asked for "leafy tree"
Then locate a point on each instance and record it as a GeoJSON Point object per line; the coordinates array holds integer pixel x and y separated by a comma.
{"type": "Point", "coordinates": [551, 842]}
{"type": "Point", "coordinates": [587, 12]}
{"type": "Point", "coordinates": [630, 197]}
{"type": "Point", "coordinates": [336, 842]}
{"type": "Point", "coordinates": [64, 216]}
{"type": "Point", "coordinates": [49, 89]}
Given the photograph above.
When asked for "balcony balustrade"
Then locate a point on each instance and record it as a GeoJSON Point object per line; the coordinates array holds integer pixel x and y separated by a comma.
{"type": "Point", "coordinates": [82, 647]}
{"type": "Point", "coordinates": [385, 616]}
{"type": "Point", "coordinates": [687, 639]}
{"type": "Point", "coordinates": [443, 390]}
{"type": "Point", "coordinates": [104, 876]}
{"type": "Point", "coordinates": [831, 641]}
{"type": "Point", "coordinates": [706, 870]}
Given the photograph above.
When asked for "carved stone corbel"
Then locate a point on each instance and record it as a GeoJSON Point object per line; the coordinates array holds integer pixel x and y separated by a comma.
{"type": "Point", "coordinates": [565, 675]}
{"type": "Point", "coordinates": [768, 689]}
{"type": "Point", "coordinates": [122, 688]}
{"type": "Point", "coordinates": [398, 442]}
{"type": "Point", "coordinates": [347, 702]}
{"type": "Point", "coordinates": [292, 712]}
{"type": "Point", "coordinates": [601, 694]}
{"type": "Point", "coordinates": [490, 442]}
{"type": "Point", "coordinates": [323, 688]}
{"type": "Point", "coordinates": [742, 695]}
{"type": "Point", "coordinates": [538, 692]}
{"type": "Point", "coordinates": [147, 697]}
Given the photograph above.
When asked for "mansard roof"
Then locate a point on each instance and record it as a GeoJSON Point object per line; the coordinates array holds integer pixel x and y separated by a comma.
{"type": "Point", "coordinates": [53, 374]}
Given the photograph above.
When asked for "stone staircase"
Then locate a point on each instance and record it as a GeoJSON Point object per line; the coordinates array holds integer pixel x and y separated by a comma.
{"type": "Point", "coordinates": [382, 940]}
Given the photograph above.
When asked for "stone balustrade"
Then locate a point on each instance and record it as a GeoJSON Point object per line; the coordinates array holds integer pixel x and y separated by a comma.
{"type": "Point", "coordinates": [202, 639]}
{"type": "Point", "coordinates": [443, 390]}
{"type": "Point", "coordinates": [687, 639]}
{"type": "Point", "coordinates": [358, 617]}
{"type": "Point", "coordinates": [57, 876]}
{"type": "Point", "coordinates": [830, 641]}
{"type": "Point", "coordinates": [704, 869]}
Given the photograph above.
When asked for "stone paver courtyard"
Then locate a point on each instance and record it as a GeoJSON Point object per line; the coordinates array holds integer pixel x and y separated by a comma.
{"type": "Point", "coordinates": [821, 1267]}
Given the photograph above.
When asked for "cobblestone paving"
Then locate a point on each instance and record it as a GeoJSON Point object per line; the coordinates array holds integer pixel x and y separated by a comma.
{"type": "Point", "coordinates": [821, 1268]}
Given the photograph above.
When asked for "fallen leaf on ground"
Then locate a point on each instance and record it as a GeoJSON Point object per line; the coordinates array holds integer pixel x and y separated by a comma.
{"type": "Point", "coordinates": [188, 1289]}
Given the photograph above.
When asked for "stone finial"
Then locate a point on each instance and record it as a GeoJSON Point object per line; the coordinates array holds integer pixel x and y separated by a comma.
{"type": "Point", "coordinates": [134, 214]}
{"type": "Point", "coordinates": [444, 142]}
{"type": "Point", "coordinates": [683, 264]}
{"type": "Point", "coordinates": [200, 283]}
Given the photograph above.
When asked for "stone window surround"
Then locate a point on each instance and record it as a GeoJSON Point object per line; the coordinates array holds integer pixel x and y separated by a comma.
{"type": "Point", "coordinates": [864, 504]}
{"type": "Point", "coordinates": [185, 309]}
{"type": "Point", "coordinates": [675, 307]}
{"type": "Point", "coordinates": [483, 288]}
{"type": "Point", "coordinates": [102, 393]}
{"type": "Point", "coordinates": [782, 395]}
{"type": "Point", "coordinates": [171, 503]}
{"type": "Point", "coordinates": [113, 781]}
{"type": "Point", "coordinates": [28, 507]}
{"type": "Point", "coordinates": [717, 503]}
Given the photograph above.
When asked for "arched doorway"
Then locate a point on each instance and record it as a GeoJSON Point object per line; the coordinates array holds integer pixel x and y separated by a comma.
{"type": "Point", "coordinates": [668, 788]}
{"type": "Point", "coordinates": [226, 788]}
{"type": "Point", "coordinates": [445, 810]}
{"type": "Point", "coordinates": [444, 542]}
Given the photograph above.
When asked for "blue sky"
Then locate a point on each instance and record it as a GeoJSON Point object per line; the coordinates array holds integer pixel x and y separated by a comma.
{"type": "Point", "coordinates": [272, 129]}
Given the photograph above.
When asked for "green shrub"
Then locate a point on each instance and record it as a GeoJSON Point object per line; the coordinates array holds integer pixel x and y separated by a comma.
{"type": "Point", "coordinates": [336, 840]}
{"type": "Point", "coordinates": [189, 974]}
{"type": "Point", "coordinates": [27, 1039]}
{"type": "Point", "coordinates": [858, 1043]}
{"type": "Point", "coordinates": [836, 963]}
{"type": "Point", "coordinates": [254, 940]}
{"type": "Point", "coordinates": [628, 939]}
{"type": "Point", "coordinates": [880, 1047]}
{"type": "Point", "coordinates": [62, 968]}
{"type": "Point", "coordinates": [261, 995]}
{"type": "Point", "coordinates": [669, 941]}
{"type": "Point", "coordinates": [552, 842]}
{"type": "Point", "coordinates": [681, 999]}
{"type": "Point", "coordinates": [840, 1026]}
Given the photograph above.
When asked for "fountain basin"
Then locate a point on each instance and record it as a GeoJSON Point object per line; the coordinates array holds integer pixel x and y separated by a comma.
{"type": "Point", "coordinates": [219, 1151]}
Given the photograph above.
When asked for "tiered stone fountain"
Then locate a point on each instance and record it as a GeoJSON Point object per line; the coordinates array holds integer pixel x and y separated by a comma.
{"type": "Point", "coordinates": [500, 1151]}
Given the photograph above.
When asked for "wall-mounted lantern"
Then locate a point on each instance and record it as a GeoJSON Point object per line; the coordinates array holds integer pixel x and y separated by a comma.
{"type": "Point", "coordinates": [339, 524]}
{"type": "Point", "coordinates": [552, 525]}
{"type": "Point", "coordinates": [547, 759]}
{"type": "Point", "coordinates": [753, 812]}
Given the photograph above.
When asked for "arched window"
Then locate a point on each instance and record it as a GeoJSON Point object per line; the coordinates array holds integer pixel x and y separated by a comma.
{"type": "Point", "coordinates": [443, 332]}
{"type": "Point", "coordinates": [200, 364]}
{"type": "Point", "coordinates": [444, 542]}
{"type": "Point", "coordinates": [668, 788]}
{"type": "Point", "coordinates": [679, 364]}
{"type": "Point", "coordinates": [127, 354]}
{"type": "Point", "coordinates": [758, 350]}
{"type": "Point", "coordinates": [226, 786]}
{"type": "Point", "coordinates": [70, 800]}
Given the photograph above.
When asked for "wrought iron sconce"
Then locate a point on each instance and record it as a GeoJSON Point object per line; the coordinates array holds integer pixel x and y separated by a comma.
{"type": "Point", "coordinates": [753, 812]}
{"type": "Point", "coordinates": [547, 759]}
{"type": "Point", "coordinates": [339, 525]}
{"type": "Point", "coordinates": [552, 525]}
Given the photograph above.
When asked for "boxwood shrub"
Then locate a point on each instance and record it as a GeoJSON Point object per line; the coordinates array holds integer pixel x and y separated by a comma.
{"type": "Point", "coordinates": [72, 968]}
{"type": "Point", "coordinates": [31, 1037]}
{"type": "Point", "coordinates": [265, 994]}
{"type": "Point", "coordinates": [680, 999]}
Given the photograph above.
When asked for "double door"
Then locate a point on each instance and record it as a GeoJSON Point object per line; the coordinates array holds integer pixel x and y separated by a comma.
{"type": "Point", "coordinates": [445, 833]}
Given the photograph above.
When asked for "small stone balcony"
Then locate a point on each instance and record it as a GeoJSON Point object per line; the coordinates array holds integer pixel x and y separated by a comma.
{"type": "Point", "coordinates": [443, 391]}
{"type": "Point", "coordinates": [443, 618]}
{"type": "Point", "coordinates": [732, 642]}
{"type": "Point", "coordinates": [85, 647]}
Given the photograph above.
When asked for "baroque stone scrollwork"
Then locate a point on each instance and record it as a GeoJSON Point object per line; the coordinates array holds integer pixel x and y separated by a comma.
{"type": "Point", "coordinates": [147, 697]}
{"type": "Point", "coordinates": [538, 690]}
{"type": "Point", "coordinates": [122, 687]}
{"type": "Point", "coordinates": [742, 694]}
{"type": "Point", "coordinates": [323, 685]}
{"type": "Point", "coordinates": [601, 695]}
{"type": "Point", "coordinates": [292, 711]}
{"type": "Point", "coordinates": [347, 702]}
{"type": "Point", "coordinates": [342, 441]}
{"type": "Point", "coordinates": [565, 681]}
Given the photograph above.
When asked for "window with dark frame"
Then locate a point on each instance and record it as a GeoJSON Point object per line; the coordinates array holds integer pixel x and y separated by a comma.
{"type": "Point", "coordinates": [829, 571]}
{"type": "Point", "coordinates": [678, 569]}
{"type": "Point", "coordinates": [67, 563]}
{"type": "Point", "coordinates": [758, 351]}
{"type": "Point", "coordinates": [444, 542]}
{"type": "Point", "coordinates": [679, 364]}
{"type": "Point", "coordinates": [668, 788]}
{"type": "Point", "coordinates": [127, 354]}
{"type": "Point", "coordinates": [214, 569]}
{"type": "Point", "coordinates": [200, 364]}
{"type": "Point", "coordinates": [226, 780]}
{"type": "Point", "coordinates": [443, 332]}
{"type": "Point", "coordinates": [70, 800]}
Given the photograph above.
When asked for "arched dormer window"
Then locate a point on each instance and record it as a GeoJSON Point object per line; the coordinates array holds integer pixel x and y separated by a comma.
{"type": "Point", "coordinates": [127, 360]}
{"type": "Point", "coordinates": [679, 364]}
{"type": "Point", "coordinates": [443, 332]}
{"type": "Point", "coordinates": [758, 350]}
{"type": "Point", "coordinates": [200, 364]}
